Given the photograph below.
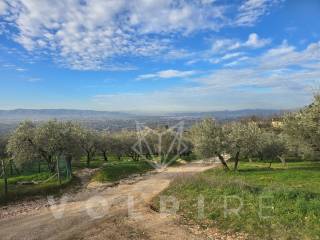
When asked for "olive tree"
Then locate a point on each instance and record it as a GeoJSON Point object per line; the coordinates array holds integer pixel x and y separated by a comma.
{"type": "Point", "coordinates": [163, 142]}
{"type": "Point", "coordinates": [22, 146]}
{"type": "Point", "coordinates": [128, 140]}
{"type": "Point", "coordinates": [104, 143]}
{"type": "Point", "coordinates": [298, 148]}
{"type": "Point", "coordinates": [173, 144]}
{"type": "Point", "coordinates": [146, 142]}
{"type": "Point", "coordinates": [273, 147]}
{"type": "Point", "coordinates": [168, 148]}
{"type": "Point", "coordinates": [88, 141]}
{"type": "Point", "coordinates": [242, 140]}
{"type": "Point", "coordinates": [70, 144]}
{"type": "Point", "coordinates": [188, 146]}
{"type": "Point", "coordinates": [117, 147]}
{"type": "Point", "coordinates": [50, 141]}
{"type": "Point", "coordinates": [305, 124]}
{"type": "Point", "coordinates": [209, 140]}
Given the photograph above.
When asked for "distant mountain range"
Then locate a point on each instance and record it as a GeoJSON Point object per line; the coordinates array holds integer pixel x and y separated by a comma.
{"type": "Point", "coordinates": [61, 114]}
{"type": "Point", "coordinates": [72, 114]}
{"type": "Point", "coordinates": [115, 121]}
{"type": "Point", "coordinates": [233, 114]}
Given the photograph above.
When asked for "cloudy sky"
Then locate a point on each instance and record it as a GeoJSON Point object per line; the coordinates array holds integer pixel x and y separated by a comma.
{"type": "Point", "coordinates": [159, 55]}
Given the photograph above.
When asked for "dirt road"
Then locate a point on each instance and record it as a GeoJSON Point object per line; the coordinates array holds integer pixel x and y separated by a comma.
{"type": "Point", "coordinates": [120, 212]}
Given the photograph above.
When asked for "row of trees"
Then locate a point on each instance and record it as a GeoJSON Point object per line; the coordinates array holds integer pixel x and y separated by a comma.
{"type": "Point", "coordinates": [238, 140]}
{"type": "Point", "coordinates": [299, 134]}
{"type": "Point", "coordinates": [53, 141]}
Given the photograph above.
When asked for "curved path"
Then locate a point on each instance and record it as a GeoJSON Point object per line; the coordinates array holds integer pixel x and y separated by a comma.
{"type": "Point", "coordinates": [120, 212]}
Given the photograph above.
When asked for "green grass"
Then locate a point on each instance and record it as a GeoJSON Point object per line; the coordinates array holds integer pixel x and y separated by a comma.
{"type": "Point", "coordinates": [16, 192]}
{"type": "Point", "coordinates": [115, 171]}
{"type": "Point", "coordinates": [97, 162]}
{"type": "Point", "coordinates": [293, 193]}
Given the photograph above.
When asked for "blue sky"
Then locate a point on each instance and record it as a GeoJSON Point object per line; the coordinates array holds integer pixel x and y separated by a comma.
{"type": "Point", "coordinates": [159, 55]}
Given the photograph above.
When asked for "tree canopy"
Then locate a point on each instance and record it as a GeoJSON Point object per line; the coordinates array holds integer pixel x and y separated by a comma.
{"type": "Point", "coordinates": [304, 125]}
{"type": "Point", "coordinates": [209, 140]}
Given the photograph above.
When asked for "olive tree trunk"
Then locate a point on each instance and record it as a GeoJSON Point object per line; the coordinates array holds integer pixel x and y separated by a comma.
{"type": "Point", "coordinates": [224, 163]}
{"type": "Point", "coordinates": [105, 156]}
{"type": "Point", "coordinates": [236, 161]}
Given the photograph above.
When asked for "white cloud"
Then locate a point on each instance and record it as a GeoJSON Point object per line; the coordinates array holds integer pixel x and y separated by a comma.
{"type": "Point", "coordinates": [236, 62]}
{"type": "Point", "coordinates": [179, 54]}
{"type": "Point", "coordinates": [3, 7]}
{"type": "Point", "coordinates": [232, 55]}
{"type": "Point", "coordinates": [168, 15]}
{"type": "Point", "coordinates": [91, 35]}
{"type": "Point", "coordinates": [251, 10]}
{"type": "Point", "coordinates": [84, 34]}
{"type": "Point", "coordinates": [282, 67]}
{"type": "Point", "coordinates": [252, 85]}
{"type": "Point", "coordinates": [255, 42]}
{"type": "Point", "coordinates": [167, 74]}
{"type": "Point", "coordinates": [224, 49]}
{"type": "Point", "coordinates": [228, 56]}
{"type": "Point", "coordinates": [226, 44]}
{"type": "Point", "coordinates": [283, 49]}
{"type": "Point", "coordinates": [287, 56]}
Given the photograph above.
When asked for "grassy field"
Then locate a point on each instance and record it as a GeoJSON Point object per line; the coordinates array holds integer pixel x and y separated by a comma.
{"type": "Point", "coordinates": [278, 202]}
{"type": "Point", "coordinates": [118, 170]}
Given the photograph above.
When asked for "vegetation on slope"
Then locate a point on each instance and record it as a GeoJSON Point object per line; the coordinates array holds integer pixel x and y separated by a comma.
{"type": "Point", "coordinates": [290, 199]}
{"type": "Point", "coordinates": [118, 170]}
